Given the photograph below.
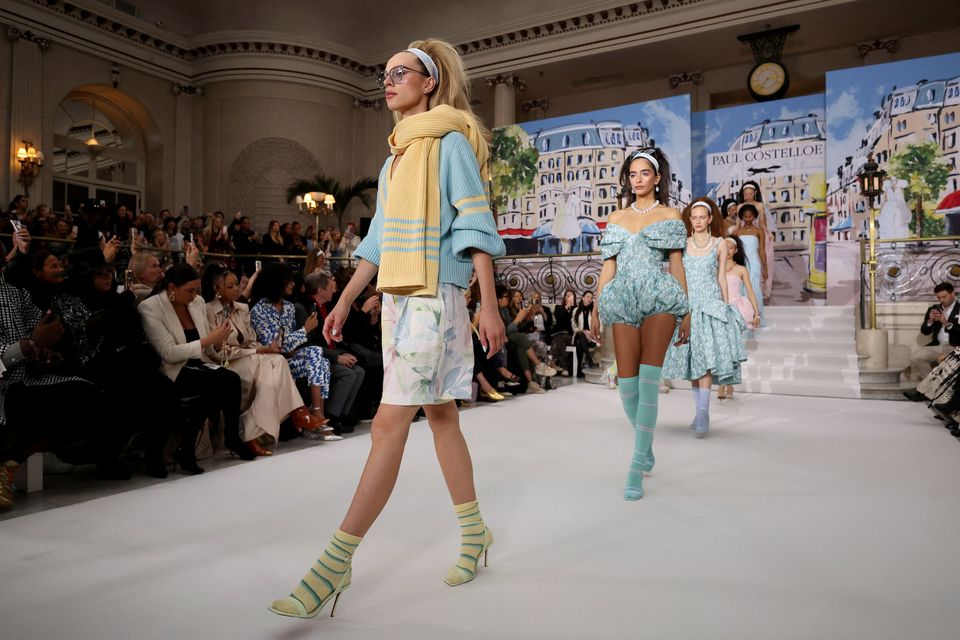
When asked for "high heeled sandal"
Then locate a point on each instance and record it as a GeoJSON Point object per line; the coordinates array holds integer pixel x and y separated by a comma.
{"type": "Point", "coordinates": [313, 613]}
{"type": "Point", "coordinates": [459, 571]}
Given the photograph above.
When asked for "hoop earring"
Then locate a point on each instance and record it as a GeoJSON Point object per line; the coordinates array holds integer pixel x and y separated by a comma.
{"type": "Point", "coordinates": [171, 297]}
{"type": "Point", "coordinates": [219, 296]}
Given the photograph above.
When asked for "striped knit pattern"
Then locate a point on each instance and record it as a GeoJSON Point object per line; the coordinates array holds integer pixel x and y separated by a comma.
{"type": "Point", "coordinates": [475, 538]}
{"type": "Point", "coordinates": [646, 421]}
{"type": "Point", "coordinates": [465, 220]}
{"type": "Point", "coordinates": [328, 575]}
{"type": "Point", "coordinates": [410, 244]}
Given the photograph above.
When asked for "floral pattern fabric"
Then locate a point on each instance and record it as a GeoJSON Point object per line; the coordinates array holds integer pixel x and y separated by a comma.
{"type": "Point", "coordinates": [640, 287]}
{"type": "Point", "coordinates": [715, 345]}
{"type": "Point", "coordinates": [427, 348]}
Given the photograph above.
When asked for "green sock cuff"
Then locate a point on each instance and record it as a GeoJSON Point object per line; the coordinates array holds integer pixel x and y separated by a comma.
{"type": "Point", "coordinates": [466, 506]}
{"type": "Point", "coordinates": [345, 538]}
{"type": "Point", "coordinates": [648, 373]}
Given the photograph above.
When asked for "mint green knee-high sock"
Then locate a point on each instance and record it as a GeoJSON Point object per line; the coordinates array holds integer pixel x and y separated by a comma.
{"type": "Point", "coordinates": [646, 421]}
{"type": "Point", "coordinates": [628, 396]}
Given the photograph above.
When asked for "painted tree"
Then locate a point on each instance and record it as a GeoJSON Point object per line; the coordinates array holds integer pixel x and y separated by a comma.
{"type": "Point", "coordinates": [342, 194]}
{"type": "Point", "coordinates": [919, 164]}
{"type": "Point", "coordinates": [513, 165]}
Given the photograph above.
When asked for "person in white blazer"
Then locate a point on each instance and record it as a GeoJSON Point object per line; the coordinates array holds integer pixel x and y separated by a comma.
{"type": "Point", "coordinates": [175, 321]}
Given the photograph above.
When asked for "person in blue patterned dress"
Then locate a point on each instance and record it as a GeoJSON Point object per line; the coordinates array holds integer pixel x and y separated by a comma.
{"type": "Point", "coordinates": [274, 320]}
{"type": "Point", "coordinates": [639, 300]}
{"type": "Point", "coordinates": [715, 349]}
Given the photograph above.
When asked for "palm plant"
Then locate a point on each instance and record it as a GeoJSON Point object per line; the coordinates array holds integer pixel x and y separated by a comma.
{"type": "Point", "coordinates": [342, 194]}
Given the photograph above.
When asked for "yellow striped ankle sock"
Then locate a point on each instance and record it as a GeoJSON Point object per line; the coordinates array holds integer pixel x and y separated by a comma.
{"type": "Point", "coordinates": [475, 539]}
{"type": "Point", "coordinates": [328, 575]}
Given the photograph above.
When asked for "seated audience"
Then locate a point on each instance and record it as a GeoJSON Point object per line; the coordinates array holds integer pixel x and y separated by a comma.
{"type": "Point", "coordinates": [941, 323]}
{"type": "Point", "coordinates": [274, 320]}
{"type": "Point", "coordinates": [345, 373]}
{"type": "Point", "coordinates": [268, 392]}
{"type": "Point", "coordinates": [175, 320]}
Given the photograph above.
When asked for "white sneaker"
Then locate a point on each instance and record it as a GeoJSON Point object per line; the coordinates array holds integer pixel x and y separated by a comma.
{"type": "Point", "coordinates": [533, 387]}
{"type": "Point", "coordinates": [545, 371]}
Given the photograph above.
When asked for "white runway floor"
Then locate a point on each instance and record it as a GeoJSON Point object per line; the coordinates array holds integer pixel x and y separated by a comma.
{"type": "Point", "coordinates": [797, 518]}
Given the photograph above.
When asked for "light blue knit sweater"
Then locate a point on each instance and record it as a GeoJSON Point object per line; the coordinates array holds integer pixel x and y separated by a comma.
{"type": "Point", "coordinates": [466, 221]}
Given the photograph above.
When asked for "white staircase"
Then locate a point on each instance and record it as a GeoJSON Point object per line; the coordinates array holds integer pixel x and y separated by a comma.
{"type": "Point", "coordinates": [804, 351]}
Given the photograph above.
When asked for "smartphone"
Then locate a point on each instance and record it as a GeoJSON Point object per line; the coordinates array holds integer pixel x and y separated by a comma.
{"type": "Point", "coordinates": [127, 279]}
{"type": "Point", "coordinates": [75, 230]}
{"type": "Point", "coordinates": [133, 235]}
{"type": "Point", "coordinates": [190, 238]}
{"type": "Point", "coordinates": [257, 265]}
{"type": "Point", "coordinates": [17, 226]}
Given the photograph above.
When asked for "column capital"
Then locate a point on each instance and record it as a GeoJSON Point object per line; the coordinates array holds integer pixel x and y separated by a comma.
{"type": "Point", "coordinates": [509, 79]}
{"type": "Point", "coordinates": [18, 34]}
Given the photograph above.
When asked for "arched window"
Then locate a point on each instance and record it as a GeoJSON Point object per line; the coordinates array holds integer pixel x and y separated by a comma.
{"type": "Point", "coordinates": [94, 157]}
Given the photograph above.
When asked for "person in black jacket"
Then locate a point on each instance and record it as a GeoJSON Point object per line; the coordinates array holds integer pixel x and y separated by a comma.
{"type": "Point", "coordinates": [346, 374]}
{"type": "Point", "coordinates": [941, 323]}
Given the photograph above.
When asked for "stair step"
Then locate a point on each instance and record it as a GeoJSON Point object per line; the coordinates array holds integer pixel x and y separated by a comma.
{"type": "Point", "coordinates": [789, 388]}
{"type": "Point", "coordinates": [880, 376]}
{"type": "Point", "coordinates": [886, 391]}
{"type": "Point", "coordinates": [846, 333]}
{"type": "Point", "coordinates": [789, 347]}
{"type": "Point", "coordinates": [795, 359]}
{"type": "Point", "coordinates": [759, 372]}
{"type": "Point", "coordinates": [816, 312]}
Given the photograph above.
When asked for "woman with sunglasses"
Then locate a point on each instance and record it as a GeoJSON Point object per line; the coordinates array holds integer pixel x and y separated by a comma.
{"type": "Point", "coordinates": [433, 228]}
{"type": "Point", "coordinates": [639, 300]}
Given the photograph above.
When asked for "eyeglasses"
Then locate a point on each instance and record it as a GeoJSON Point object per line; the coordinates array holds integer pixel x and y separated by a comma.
{"type": "Point", "coordinates": [396, 75]}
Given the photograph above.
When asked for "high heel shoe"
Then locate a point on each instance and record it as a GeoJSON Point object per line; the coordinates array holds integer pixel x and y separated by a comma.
{"type": "Point", "coordinates": [306, 421]}
{"type": "Point", "coordinates": [325, 428]}
{"type": "Point", "coordinates": [458, 575]}
{"type": "Point", "coordinates": [491, 396]}
{"type": "Point", "coordinates": [187, 462]}
{"type": "Point", "coordinates": [301, 610]}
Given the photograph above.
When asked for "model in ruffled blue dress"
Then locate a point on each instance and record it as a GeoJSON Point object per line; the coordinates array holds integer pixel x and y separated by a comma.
{"type": "Point", "coordinates": [715, 349]}
{"type": "Point", "coordinates": [646, 307]}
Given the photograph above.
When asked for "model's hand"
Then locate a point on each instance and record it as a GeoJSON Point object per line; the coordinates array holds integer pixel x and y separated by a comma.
{"type": "Point", "coordinates": [492, 333]}
{"type": "Point", "coordinates": [594, 332]}
{"type": "Point", "coordinates": [333, 325]}
{"type": "Point", "coordinates": [683, 335]}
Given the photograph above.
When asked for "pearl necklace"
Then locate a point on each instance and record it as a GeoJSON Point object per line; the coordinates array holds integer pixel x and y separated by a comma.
{"type": "Point", "coordinates": [633, 206]}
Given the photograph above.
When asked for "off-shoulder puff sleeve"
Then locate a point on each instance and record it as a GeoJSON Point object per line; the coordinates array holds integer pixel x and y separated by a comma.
{"type": "Point", "coordinates": [666, 234]}
{"type": "Point", "coordinates": [612, 241]}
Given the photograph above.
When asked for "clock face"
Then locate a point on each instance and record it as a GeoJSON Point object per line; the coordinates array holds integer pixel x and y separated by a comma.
{"type": "Point", "coordinates": [768, 80]}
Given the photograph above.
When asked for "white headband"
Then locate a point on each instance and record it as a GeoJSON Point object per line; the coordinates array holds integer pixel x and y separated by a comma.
{"type": "Point", "coordinates": [701, 203]}
{"type": "Point", "coordinates": [427, 62]}
{"type": "Point", "coordinates": [646, 156]}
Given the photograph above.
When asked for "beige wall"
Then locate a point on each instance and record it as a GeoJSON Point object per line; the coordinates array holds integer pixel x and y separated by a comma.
{"type": "Point", "coordinates": [10, 165]}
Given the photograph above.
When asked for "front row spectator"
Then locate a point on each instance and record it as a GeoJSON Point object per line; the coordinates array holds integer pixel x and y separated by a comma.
{"type": "Point", "coordinates": [175, 320]}
{"type": "Point", "coordinates": [519, 343]}
{"type": "Point", "coordinates": [346, 376]}
{"type": "Point", "coordinates": [942, 324]}
{"type": "Point", "coordinates": [268, 392]}
{"type": "Point", "coordinates": [274, 320]}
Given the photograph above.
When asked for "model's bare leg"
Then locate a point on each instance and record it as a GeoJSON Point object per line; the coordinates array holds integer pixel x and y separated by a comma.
{"type": "Point", "coordinates": [388, 437]}
{"type": "Point", "coordinates": [454, 458]}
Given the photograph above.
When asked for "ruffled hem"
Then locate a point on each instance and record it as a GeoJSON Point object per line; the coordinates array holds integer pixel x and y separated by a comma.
{"type": "Point", "coordinates": [715, 346]}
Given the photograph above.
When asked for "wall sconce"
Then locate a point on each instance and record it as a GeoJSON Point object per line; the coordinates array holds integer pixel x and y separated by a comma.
{"type": "Point", "coordinates": [30, 162]}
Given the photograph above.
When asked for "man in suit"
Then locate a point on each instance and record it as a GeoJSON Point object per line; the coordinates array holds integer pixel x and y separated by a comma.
{"type": "Point", "coordinates": [941, 323]}
{"type": "Point", "coordinates": [346, 375]}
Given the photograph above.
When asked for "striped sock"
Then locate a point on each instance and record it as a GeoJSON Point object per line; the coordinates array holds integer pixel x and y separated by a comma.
{"type": "Point", "coordinates": [475, 538]}
{"type": "Point", "coordinates": [648, 397]}
{"type": "Point", "coordinates": [328, 575]}
{"type": "Point", "coordinates": [628, 396]}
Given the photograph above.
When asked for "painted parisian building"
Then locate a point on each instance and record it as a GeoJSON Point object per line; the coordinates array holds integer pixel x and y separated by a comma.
{"type": "Point", "coordinates": [781, 156]}
{"type": "Point", "coordinates": [578, 172]}
{"type": "Point", "coordinates": [926, 111]}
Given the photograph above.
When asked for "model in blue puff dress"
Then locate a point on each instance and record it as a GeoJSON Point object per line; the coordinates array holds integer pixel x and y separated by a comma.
{"type": "Point", "coordinates": [641, 288]}
{"type": "Point", "coordinates": [715, 346]}
{"type": "Point", "coordinates": [751, 251]}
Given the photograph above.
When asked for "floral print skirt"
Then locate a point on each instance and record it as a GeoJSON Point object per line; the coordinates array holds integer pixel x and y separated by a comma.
{"type": "Point", "coordinates": [427, 348]}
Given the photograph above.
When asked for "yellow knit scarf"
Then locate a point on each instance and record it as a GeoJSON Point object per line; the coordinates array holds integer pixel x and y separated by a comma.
{"type": "Point", "coordinates": [410, 250]}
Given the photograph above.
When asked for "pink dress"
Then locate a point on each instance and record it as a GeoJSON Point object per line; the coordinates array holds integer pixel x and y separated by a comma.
{"type": "Point", "coordinates": [740, 301]}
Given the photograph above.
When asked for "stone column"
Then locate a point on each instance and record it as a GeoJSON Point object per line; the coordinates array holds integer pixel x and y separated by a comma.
{"type": "Point", "coordinates": [183, 167]}
{"type": "Point", "coordinates": [26, 108]}
{"type": "Point", "coordinates": [505, 98]}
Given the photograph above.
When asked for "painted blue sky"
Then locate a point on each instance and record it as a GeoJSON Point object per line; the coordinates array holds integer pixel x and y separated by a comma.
{"type": "Point", "coordinates": [854, 94]}
{"type": "Point", "coordinates": [714, 131]}
{"type": "Point", "coordinates": [668, 121]}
